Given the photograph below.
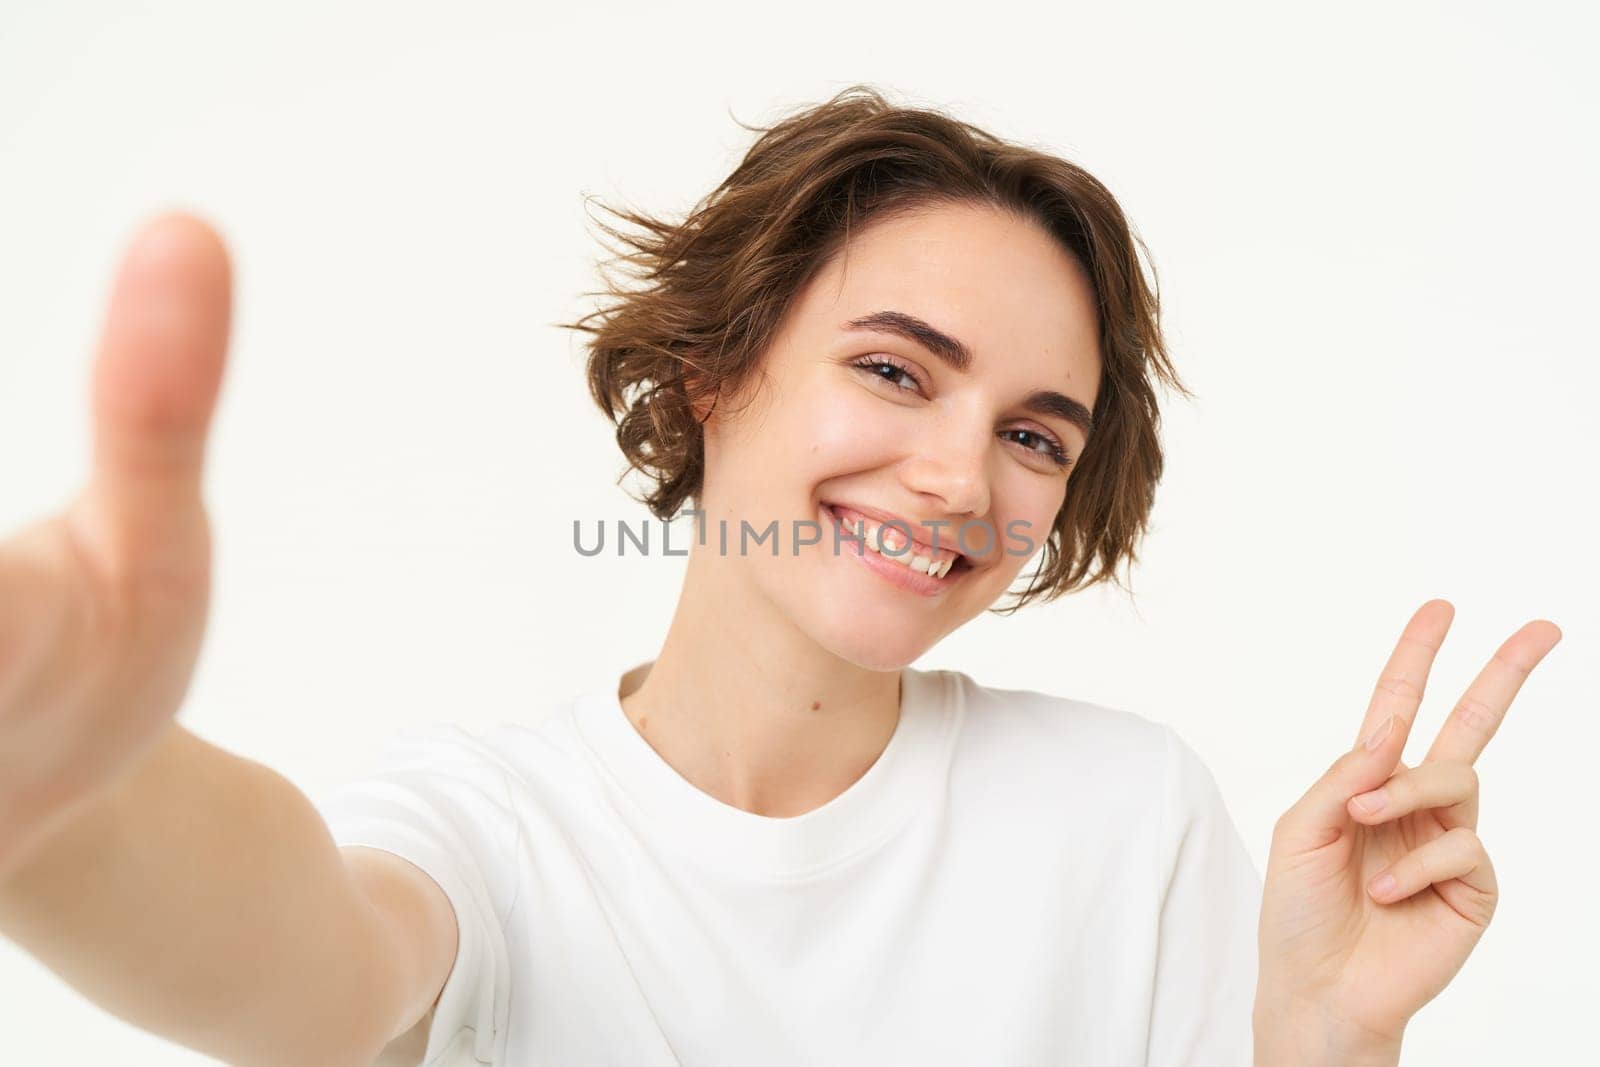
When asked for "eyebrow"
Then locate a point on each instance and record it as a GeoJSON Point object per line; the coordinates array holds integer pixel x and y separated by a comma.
{"type": "Point", "coordinates": [959, 357]}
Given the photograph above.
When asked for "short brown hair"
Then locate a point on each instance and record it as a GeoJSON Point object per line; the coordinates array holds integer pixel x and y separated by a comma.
{"type": "Point", "coordinates": [711, 291]}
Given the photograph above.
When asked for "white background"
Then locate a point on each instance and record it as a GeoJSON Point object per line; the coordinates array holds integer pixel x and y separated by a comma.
{"type": "Point", "coordinates": [1375, 229]}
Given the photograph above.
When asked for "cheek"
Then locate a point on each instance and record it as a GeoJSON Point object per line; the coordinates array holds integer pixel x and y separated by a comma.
{"type": "Point", "coordinates": [817, 433]}
{"type": "Point", "coordinates": [1024, 519]}
{"type": "Point", "coordinates": [848, 427]}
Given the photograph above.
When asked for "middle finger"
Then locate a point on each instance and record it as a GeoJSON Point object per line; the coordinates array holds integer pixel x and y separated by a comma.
{"type": "Point", "coordinates": [1478, 714]}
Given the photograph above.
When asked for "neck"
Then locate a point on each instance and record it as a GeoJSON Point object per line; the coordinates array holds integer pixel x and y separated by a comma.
{"type": "Point", "coordinates": [749, 709]}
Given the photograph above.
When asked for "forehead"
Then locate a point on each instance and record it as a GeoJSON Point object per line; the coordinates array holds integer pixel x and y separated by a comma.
{"type": "Point", "coordinates": [1002, 285]}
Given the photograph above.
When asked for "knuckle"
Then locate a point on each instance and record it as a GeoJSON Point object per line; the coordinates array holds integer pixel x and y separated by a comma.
{"type": "Point", "coordinates": [1450, 783]}
{"type": "Point", "coordinates": [1281, 825]}
{"type": "Point", "coordinates": [98, 596]}
{"type": "Point", "coordinates": [1419, 861]}
{"type": "Point", "coordinates": [1506, 661]}
{"type": "Point", "coordinates": [1285, 827]}
{"type": "Point", "coordinates": [182, 579]}
{"type": "Point", "coordinates": [1399, 685]}
{"type": "Point", "coordinates": [1478, 716]}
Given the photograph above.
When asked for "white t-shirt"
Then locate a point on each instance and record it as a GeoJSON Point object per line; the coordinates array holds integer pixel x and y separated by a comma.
{"type": "Point", "coordinates": [1018, 879]}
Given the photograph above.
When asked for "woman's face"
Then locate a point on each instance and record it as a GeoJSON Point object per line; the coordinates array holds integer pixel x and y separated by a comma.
{"type": "Point", "coordinates": [858, 419]}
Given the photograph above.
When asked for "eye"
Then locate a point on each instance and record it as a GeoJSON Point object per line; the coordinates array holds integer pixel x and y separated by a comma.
{"type": "Point", "coordinates": [1048, 447]}
{"type": "Point", "coordinates": [889, 371]}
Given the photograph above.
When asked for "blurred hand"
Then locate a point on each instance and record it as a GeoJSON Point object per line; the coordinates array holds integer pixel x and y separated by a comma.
{"type": "Point", "coordinates": [103, 607]}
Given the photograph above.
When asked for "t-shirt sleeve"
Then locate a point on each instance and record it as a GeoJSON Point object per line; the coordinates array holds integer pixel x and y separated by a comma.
{"type": "Point", "coordinates": [1206, 964]}
{"type": "Point", "coordinates": [438, 798]}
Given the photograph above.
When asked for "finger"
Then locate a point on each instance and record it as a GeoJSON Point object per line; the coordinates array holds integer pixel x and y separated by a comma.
{"type": "Point", "coordinates": [1456, 854]}
{"type": "Point", "coordinates": [1479, 712]}
{"type": "Point", "coordinates": [1450, 790]}
{"type": "Point", "coordinates": [1321, 815]}
{"type": "Point", "coordinates": [1405, 675]}
{"type": "Point", "coordinates": [155, 385]}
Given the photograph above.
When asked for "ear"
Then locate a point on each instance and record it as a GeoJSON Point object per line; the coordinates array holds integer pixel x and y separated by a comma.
{"type": "Point", "coordinates": [700, 402]}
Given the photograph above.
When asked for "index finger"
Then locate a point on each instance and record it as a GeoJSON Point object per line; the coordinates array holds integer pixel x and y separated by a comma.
{"type": "Point", "coordinates": [1479, 712]}
{"type": "Point", "coordinates": [1405, 675]}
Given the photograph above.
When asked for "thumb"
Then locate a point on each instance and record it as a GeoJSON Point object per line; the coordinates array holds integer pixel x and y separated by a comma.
{"type": "Point", "coordinates": [155, 384]}
{"type": "Point", "coordinates": [1321, 814]}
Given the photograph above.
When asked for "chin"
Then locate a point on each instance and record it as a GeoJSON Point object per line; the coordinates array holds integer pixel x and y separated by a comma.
{"type": "Point", "coordinates": [856, 644]}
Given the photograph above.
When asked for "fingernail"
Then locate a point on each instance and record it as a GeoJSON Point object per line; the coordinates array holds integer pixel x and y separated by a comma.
{"type": "Point", "coordinates": [1382, 886]}
{"type": "Point", "coordinates": [1372, 802]}
{"type": "Point", "coordinates": [1377, 736]}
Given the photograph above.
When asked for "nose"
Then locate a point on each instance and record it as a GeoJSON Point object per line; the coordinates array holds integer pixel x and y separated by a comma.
{"type": "Point", "coordinates": [949, 469]}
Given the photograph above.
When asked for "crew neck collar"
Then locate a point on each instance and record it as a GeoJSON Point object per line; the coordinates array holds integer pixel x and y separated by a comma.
{"type": "Point", "coordinates": [906, 776]}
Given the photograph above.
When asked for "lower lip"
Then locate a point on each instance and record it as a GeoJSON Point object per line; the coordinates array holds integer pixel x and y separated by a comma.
{"type": "Point", "coordinates": [896, 573]}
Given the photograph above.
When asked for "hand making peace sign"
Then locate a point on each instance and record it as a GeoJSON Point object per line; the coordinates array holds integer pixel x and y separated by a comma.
{"type": "Point", "coordinates": [1377, 886]}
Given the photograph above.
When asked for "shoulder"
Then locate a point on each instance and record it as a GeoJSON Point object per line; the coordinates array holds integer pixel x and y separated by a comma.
{"type": "Point", "coordinates": [444, 780]}
{"type": "Point", "coordinates": [1023, 721]}
{"type": "Point", "coordinates": [1065, 747]}
{"type": "Point", "coordinates": [444, 752]}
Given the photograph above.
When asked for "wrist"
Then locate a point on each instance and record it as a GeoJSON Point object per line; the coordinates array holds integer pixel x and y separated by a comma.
{"type": "Point", "coordinates": [1305, 1035]}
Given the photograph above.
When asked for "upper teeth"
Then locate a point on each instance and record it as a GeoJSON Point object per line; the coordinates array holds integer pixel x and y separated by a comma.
{"type": "Point", "coordinates": [893, 547]}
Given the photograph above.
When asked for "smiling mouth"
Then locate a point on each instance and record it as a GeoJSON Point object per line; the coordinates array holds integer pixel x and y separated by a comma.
{"type": "Point", "coordinates": [889, 543]}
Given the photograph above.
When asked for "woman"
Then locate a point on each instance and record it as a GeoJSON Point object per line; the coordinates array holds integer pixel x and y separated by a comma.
{"type": "Point", "coordinates": [885, 365]}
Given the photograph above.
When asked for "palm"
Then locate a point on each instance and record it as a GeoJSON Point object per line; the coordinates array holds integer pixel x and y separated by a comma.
{"type": "Point", "coordinates": [1368, 964]}
{"type": "Point", "coordinates": [1433, 930]}
{"type": "Point", "coordinates": [1389, 959]}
